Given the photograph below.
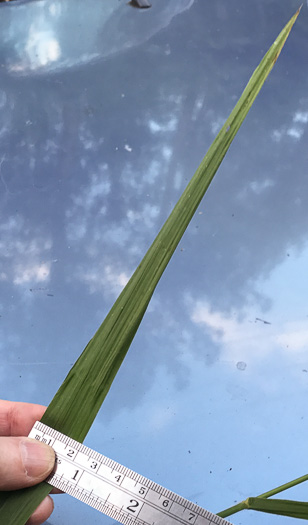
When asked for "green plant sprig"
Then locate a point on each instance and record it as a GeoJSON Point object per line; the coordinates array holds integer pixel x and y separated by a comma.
{"type": "Point", "coordinates": [293, 507]}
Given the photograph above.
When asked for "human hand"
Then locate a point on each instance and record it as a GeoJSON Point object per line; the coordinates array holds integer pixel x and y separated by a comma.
{"type": "Point", "coordinates": [23, 461]}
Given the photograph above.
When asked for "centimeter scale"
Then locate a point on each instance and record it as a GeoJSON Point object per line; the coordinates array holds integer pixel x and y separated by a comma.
{"type": "Point", "coordinates": [116, 490]}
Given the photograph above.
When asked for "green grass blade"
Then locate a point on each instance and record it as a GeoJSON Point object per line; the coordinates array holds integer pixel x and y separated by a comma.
{"type": "Point", "coordinates": [17, 506]}
{"type": "Point", "coordinates": [76, 403]}
{"type": "Point", "coordinates": [282, 507]}
{"type": "Point", "coordinates": [79, 398]}
{"type": "Point", "coordinates": [243, 504]}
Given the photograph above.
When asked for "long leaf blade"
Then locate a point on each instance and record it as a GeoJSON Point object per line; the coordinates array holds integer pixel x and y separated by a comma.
{"type": "Point", "coordinates": [92, 375]}
{"type": "Point", "coordinates": [282, 507]}
{"type": "Point", "coordinates": [80, 396]}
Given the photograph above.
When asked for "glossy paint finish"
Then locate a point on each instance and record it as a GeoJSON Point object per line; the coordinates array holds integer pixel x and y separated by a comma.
{"type": "Point", "coordinates": [106, 111]}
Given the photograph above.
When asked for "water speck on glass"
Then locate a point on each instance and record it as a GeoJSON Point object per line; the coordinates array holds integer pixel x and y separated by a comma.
{"type": "Point", "coordinates": [241, 365]}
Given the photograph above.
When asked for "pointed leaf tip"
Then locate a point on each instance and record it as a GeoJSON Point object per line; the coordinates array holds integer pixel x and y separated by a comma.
{"type": "Point", "coordinates": [286, 31]}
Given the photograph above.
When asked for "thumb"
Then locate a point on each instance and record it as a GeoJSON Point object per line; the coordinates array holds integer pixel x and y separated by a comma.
{"type": "Point", "coordinates": [24, 462]}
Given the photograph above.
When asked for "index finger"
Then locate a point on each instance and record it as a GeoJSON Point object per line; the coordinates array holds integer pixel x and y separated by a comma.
{"type": "Point", "coordinates": [17, 419]}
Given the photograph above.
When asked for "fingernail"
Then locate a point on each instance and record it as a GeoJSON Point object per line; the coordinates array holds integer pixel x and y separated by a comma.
{"type": "Point", "coordinates": [38, 458]}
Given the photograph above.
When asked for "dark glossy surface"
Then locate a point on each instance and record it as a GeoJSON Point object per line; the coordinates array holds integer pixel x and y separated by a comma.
{"type": "Point", "coordinates": [106, 111]}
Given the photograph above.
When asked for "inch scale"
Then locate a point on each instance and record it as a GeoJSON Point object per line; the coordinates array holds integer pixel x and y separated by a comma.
{"type": "Point", "coordinates": [116, 490]}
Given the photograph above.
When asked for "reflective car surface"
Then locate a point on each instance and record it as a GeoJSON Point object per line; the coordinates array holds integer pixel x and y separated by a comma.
{"type": "Point", "coordinates": [106, 112]}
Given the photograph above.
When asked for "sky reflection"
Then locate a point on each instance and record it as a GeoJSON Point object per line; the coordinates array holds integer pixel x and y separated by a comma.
{"type": "Point", "coordinates": [105, 115]}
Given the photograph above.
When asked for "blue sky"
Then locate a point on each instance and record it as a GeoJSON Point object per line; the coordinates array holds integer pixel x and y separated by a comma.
{"type": "Point", "coordinates": [105, 115]}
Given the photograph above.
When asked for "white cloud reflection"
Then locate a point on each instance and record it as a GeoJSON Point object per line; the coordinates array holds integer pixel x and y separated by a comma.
{"type": "Point", "coordinates": [25, 253]}
{"type": "Point", "coordinates": [251, 335]}
{"type": "Point", "coordinates": [41, 48]}
{"type": "Point", "coordinates": [32, 273]}
{"type": "Point", "coordinates": [248, 341]}
{"type": "Point", "coordinates": [239, 339]}
{"type": "Point", "coordinates": [146, 216]}
{"type": "Point", "coordinates": [294, 130]}
{"type": "Point", "coordinates": [167, 125]}
{"type": "Point", "coordinates": [295, 337]}
{"type": "Point", "coordinates": [62, 34]}
{"type": "Point", "coordinates": [301, 116]}
{"type": "Point", "coordinates": [106, 278]}
{"type": "Point", "coordinates": [90, 197]}
{"type": "Point", "coordinates": [257, 187]}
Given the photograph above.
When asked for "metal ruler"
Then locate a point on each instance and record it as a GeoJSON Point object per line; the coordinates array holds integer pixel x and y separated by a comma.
{"type": "Point", "coordinates": [116, 490]}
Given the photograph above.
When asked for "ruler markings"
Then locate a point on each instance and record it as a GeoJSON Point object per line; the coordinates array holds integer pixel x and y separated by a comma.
{"type": "Point", "coordinates": [134, 500]}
